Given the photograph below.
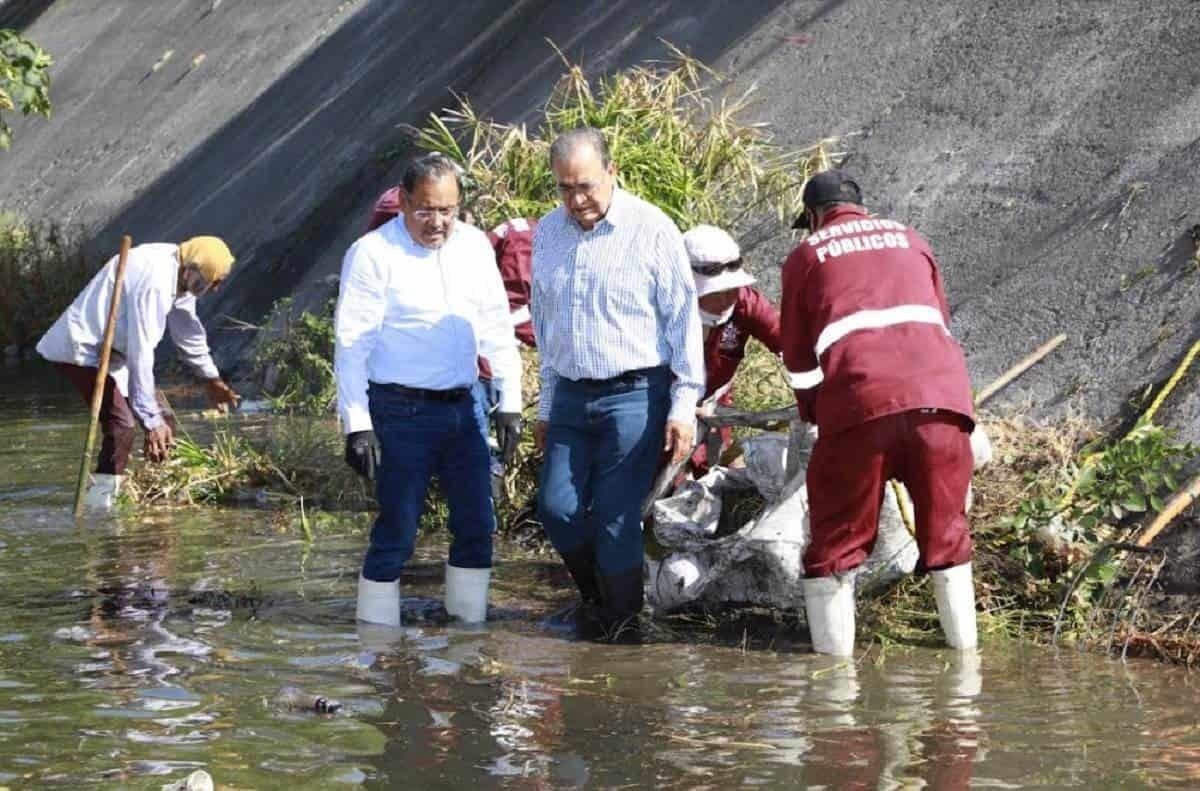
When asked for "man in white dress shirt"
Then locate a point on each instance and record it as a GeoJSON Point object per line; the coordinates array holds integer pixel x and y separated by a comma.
{"type": "Point", "coordinates": [420, 300]}
{"type": "Point", "coordinates": [622, 366]}
{"type": "Point", "coordinates": [162, 283]}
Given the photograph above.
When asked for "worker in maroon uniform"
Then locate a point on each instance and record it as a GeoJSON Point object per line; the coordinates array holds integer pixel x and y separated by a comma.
{"type": "Point", "coordinates": [513, 242]}
{"type": "Point", "coordinates": [867, 346]}
{"type": "Point", "coordinates": [731, 312]}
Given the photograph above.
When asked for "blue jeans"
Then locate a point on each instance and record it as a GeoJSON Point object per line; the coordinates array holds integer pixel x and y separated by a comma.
{"type": "Point", "coordinates": [420, 438]}
{"type": "Point", "coordinates": [486, 398]}
{"type": "Point", "coordinates": [485, 395]}
{"type": "Point", "coordinates": [603, 447]}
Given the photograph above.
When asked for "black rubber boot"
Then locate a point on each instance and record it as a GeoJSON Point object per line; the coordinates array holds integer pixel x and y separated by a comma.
{"type": "Point", "coordinates": [581, 563]}
{"type": "Point", "coordinates": [621, 608]}
{"type": "Point", "coordinates": [582, 617]}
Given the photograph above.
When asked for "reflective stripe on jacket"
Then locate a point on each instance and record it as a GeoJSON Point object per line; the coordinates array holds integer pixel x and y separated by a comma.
{"type": "Point", "coordinates": [865, 325]}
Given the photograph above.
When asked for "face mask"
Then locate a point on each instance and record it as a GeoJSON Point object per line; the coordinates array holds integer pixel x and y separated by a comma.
{"type": "Point", "coordinates": [715, 319]}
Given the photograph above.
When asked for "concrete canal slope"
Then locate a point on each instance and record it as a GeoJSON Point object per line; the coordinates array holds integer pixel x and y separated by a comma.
{"type": "Point", "coordinates": [1051, 151]}
{"type": "Point", "coordinates": [270, 120]}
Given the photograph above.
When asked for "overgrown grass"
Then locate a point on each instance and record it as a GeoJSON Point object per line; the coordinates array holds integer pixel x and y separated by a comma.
{"type": "Point", "coordinates": [42, 268]}
{"type": "Point", "coordinates": [295, 360]}
{"type": "Point", "coordinates": [272, 462]}
{"type": "Point", "coordinates": [679, 141]}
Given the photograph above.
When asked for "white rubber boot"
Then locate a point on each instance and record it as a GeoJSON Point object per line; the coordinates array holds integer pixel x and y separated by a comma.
{"type": "Point", "coordinates": [962, 678]}
{"type": "Point", "coordinates": [378, 602]}
{"type": "Point", "coordinates": [101, 495]}
{"type": "Point", "coordinates": [466, 593]}
{"type": "Point", "coordinates": [829, 605]}
{"type": "Point", "coordinates": [955, 594]}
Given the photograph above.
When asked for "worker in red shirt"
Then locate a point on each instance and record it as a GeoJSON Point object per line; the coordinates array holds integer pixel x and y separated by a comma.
{"type": "Point", "coordinates": [731, 312]}
{"type": "Point", "coordinates": [868, 350]}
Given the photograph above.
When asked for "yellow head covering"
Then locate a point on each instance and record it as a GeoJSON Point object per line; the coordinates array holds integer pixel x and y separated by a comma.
{"type": "Point", "coordinates": [209, 255]}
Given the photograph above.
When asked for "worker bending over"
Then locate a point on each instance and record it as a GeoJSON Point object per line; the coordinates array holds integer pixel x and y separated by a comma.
{"type": "Point", "coordinates": [162, 283]}
{"type": "Point", "coordinates": [867, 346]}
{"type": "Point", "coordinates": [732, 312]}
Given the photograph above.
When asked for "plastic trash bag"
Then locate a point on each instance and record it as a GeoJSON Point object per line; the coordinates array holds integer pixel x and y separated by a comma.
{"type": "Point", "coordinates": [761, 563]}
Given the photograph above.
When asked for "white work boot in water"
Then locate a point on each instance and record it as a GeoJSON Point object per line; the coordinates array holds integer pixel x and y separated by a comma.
{"type": "Point", "coordinates": [466, 593]}
{"type": "Point", "coordinates": [962, 678]}
{"type": "Point", "coordinates": [378, 602]}
{"type": "Point", "coordinates": [101, 494]}
{"type": "Point", "coordinates": [829, 605]}
{"type": "Point", "coordinates": [955, 593]}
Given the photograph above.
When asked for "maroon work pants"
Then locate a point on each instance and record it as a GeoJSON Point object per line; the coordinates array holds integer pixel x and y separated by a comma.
{"type": "Point", "coordinates": [929, 451]}
{"type": "Point", "coordinates": [118, 426]}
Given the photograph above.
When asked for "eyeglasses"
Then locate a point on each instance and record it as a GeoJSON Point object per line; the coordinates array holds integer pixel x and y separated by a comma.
{"type": "Point", "coordinates": [425, 215]}
{"type": "Point", "coordinates": [708, 270]}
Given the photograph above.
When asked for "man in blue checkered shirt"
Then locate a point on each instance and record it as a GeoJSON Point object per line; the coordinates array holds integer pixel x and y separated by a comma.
{"type": "Point", "coordinates": [622, 367]}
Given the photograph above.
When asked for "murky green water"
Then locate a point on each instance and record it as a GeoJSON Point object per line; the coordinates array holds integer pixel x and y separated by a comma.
{"type": "Point", "coordinates": [135, 650]}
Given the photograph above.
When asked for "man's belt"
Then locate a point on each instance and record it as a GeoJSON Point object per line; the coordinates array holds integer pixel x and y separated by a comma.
{"type": "Point", "coordinates": [420, 393]}
{"type": "Point", "coordinates": [628, 377]}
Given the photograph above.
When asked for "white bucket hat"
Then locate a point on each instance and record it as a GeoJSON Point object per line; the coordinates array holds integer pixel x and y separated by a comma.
{"type": "Point", "coordinates": [708, 248]}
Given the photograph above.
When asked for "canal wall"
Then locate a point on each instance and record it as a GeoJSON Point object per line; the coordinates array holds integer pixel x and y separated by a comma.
{"type": "Point", "coordinates": [1050, 151]}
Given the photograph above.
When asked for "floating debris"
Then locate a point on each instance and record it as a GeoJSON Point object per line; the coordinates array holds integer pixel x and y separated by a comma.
{"type": "Point", "coordinates": [299, 700]}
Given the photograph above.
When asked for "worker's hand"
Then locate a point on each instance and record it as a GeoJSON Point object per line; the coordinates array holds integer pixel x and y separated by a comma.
{"type": "Point", "coordinates": [159, 442]}
{"type": "Point", "coordinates": [508, 434]}
{"type": "Point", "coordinates": [681, 438]}
{"type": "Point", "coordinates": [220, 393]}
{"type": "Point", "coordinates": [539, 435]}
{"type": "Point", "coordinates": [363, 453]}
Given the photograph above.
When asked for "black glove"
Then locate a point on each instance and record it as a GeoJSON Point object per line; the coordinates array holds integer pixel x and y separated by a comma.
{"type": "Point", "coordinates": [362, 453]}
{"type": "Point", "coordinates": [508, 435]}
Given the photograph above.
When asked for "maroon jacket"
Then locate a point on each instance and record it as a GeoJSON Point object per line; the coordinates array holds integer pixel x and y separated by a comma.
{"type": "Point", "coordinates": [725, 346]}
{"type": "Point", "coordinates": [513, 242]}
{"type": "Point", "coordinates": [866, 325]}
{"type": "Point", "coordinates": [387, 206]}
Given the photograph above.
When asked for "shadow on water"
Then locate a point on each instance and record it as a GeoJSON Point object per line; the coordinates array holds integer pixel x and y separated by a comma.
{"type": "Point", "coordinates": [287, 179]}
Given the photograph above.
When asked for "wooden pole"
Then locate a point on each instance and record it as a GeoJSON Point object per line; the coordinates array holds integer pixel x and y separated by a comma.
{"type": "Point", "coordinates": [110, 329]}
{"type": "Point", "coordinates": [1012, 373]}
{"type": "Point", "coordinates": [1175, 507]}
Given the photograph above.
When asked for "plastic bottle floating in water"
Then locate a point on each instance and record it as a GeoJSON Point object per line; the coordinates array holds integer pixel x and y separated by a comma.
{"type": "Point", "coordinates": [298, 699]}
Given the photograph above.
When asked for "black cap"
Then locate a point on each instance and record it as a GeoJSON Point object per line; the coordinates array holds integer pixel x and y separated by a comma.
{"type": "Point", "coordinates": [829, 186]}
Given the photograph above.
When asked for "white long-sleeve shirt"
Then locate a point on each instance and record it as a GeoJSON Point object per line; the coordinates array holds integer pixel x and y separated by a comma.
{"type": "Point", "coordinates": [616, 298]}
{"type": "Point", "coordinates": [150, 307]}
{"type": "Point", "coordinates": [420, 317]}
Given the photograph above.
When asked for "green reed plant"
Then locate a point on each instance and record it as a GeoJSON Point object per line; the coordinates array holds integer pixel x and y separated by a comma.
{"type": "Point", "coordinates": [680, 141]}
